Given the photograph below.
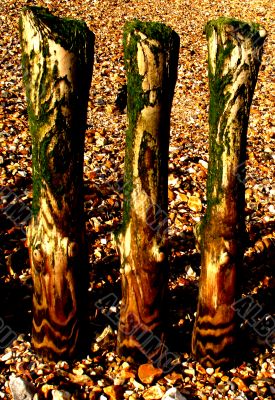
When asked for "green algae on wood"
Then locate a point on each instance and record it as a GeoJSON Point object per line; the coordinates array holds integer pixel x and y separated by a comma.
{"type": "Point", "coordinates": [151, 54]}
{"type": "Point", "coordinates": [57, 61]}
{"type": "Point", "coordinates": [164, 41]}
{"type": "Point", "coordinates": [75, 37]}
{"type": "Point", "coordinates": [234, 56]}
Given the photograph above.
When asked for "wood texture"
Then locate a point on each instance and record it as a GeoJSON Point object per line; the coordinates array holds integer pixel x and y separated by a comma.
{"type": "Point", "coordinates": [151, 53]}
{"type": "Point", "coordinates": [57, 57]}
{"type": "Point", "coordinates": [234, 50]}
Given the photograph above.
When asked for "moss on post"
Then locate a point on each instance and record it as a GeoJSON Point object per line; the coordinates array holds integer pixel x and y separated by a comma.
{"type": "Point", "coordinates": [234, 54]}
{"type": "Point", "coordinates": [57, 59]}
{"type": "Point", "coordinates": [151, 54]}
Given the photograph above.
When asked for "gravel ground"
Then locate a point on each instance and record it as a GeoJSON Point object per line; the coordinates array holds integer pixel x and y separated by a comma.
{"type": "Point", "coordinates": [102, 374]}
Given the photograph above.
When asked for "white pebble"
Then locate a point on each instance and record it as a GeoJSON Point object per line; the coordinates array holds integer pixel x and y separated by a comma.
{"type": "Point", "coordinates": [61, 395]}
{"type": "Point", "coordinates": [203, 163]}
{"type": "Point", "coordinates": [6, 356]}
{"type": "Point", "coordinates": [22, 173]}
{"type": "Point", "coordinates": [210, 371]}
{"type": "Point", "coordinates": [173, 394]}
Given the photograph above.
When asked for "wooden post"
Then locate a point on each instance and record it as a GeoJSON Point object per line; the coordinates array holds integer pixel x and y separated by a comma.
{"type": "Point", "coordinates": [151, 54]}
{"type": "Point", "coordinates": [234, 49]}
{"type": "Point", "coordinates": [57, 60]}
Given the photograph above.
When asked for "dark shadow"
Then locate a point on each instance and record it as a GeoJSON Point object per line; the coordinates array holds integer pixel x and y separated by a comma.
{"type": "Point", "coordinates": [103, 300]}
{"type": "Point", "coordinates": [183, 292]}
{"type": "Point", "coordinates": [257, 284]}
{"type": "Point", "coordinates": [16, 294]}
{"type": "Point", "coordinates": [258, 267]}
{"type": "Point", "coordinates": [16, 304]}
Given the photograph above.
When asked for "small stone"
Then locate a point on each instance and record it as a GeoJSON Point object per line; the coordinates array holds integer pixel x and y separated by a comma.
{"type": "Point", "coordinates": [212, 380]}
{"type": "Point", "coordinates": [173, 394]}
{"type": "Point", "coordinates": [218, 375]}
{"type": "Point", "coordinates": [137, 385]}
{"type": "Point", "coordinates": [232, 370]}
{"type": "Point", "coordinates": [153, 393]}
{"type": "Point", "coordinates": [61, 395]}
{"type": "Point", "coordinates": [203, 163]}
{"type": "Point", "coordinates": [189, 372]}
{"type": "Point", "coordinates": [194, 203]}
{"type": "Point", "coordinates": [78, 371]}
{"type": "Point", "coordinates": [125, 365]}
{"type": "Point", "coordinates": [263, 391]}
{"type": "Point", "coordinates": [173, 378]}
{"type": "Point", "coordinates": [190, 272]}
{"type": "Point", "coordinates": [171, 195]}
{"type": "Point", "coordinates": [6, 356]}
{"type": "Point", "coordinates": [62, 365]}
{"type": "Point", "coordinates": [94, 347]}
{"type": "Point", "coordinates": [115, 392]}
{"type": "Point", "coordinates": [232, 386]}
{"type": "Point", "coordinates": [47, 388]}
{"type": "Point", "coordinates": [182, 197]}
{"type": "Point", "coordinates": [125, 375]}
{"type": "Point", "coordinates": [191, 170]}
{"type": "Point", "coordinates": [129, 392]}
{"type": "Point", "coordinates": [82, 380]}
{"type": "Point", "coordinates": [96, 223]}
{"type": "Point", "coordinates": [172, 216]}
{"type": "Point", "coordinates": [248, 193]}
{"type": "Point", "coordinates": [200, 369]}
{"type": "Point", "coordinates": [240, 383]}
{"type": "Point", "coordinates": [105, 334]}
{"type": "Point", "coordinates": [118, 381]}
{"type": "Point", "coordinates": [222, 387]}
{"type": "Point", "coordinates": [253, 388]}
{"type": "Point", "coordinates": [173, 180]}
{"type": "Point", "coordinates": [147, 373]}
{"type": "Point", "coordinates": [40, 372]}
{"type": "Point", "coordinates": [93, 395]}
{"type": "Point", "coordinates": [22, 173]}
{"type": "Point", "coordinates": [210, 371]}
{"type": "Point", "coordinates": [21, 389]}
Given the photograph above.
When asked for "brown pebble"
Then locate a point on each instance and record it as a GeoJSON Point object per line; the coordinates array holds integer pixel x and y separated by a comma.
{"type": "Point", "coordinates": [147, 373]}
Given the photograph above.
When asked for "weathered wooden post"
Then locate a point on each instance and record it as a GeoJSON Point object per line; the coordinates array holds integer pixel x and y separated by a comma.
{"type": "Point", "coordinates": [151, 54]}
{"type": "Point", "coordinates": [234, 50]}
{"type": "Point", "coordinates": [57, 60]}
